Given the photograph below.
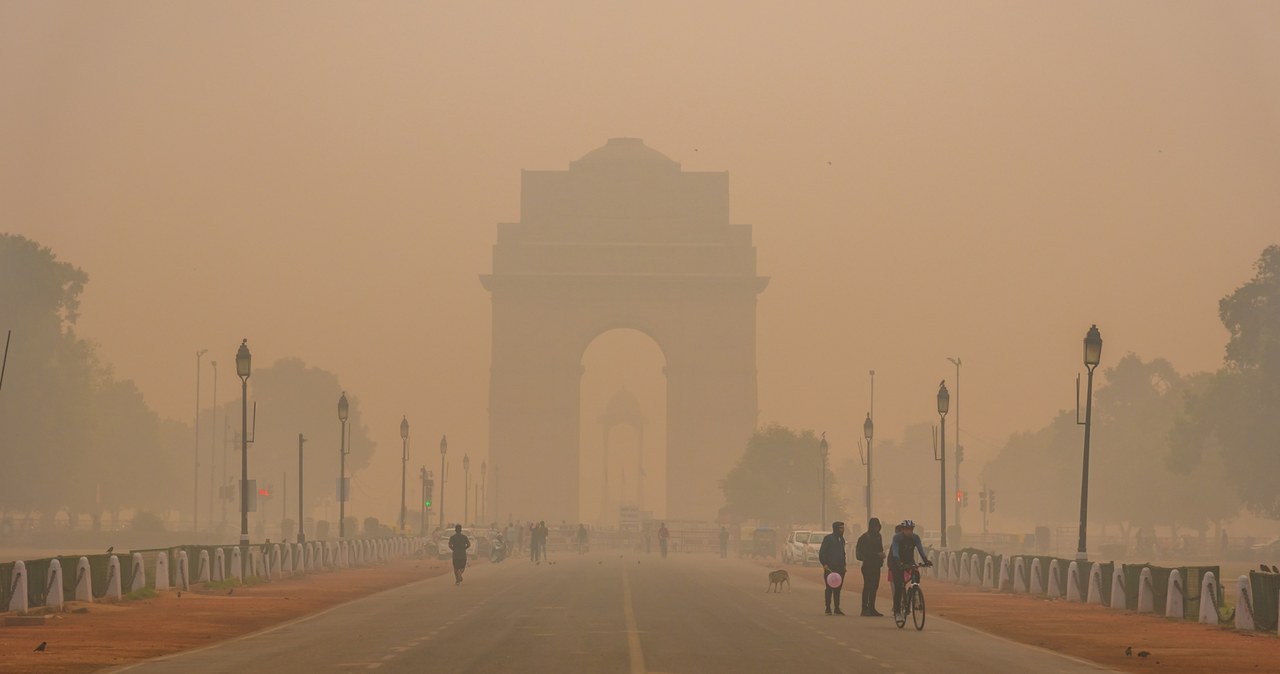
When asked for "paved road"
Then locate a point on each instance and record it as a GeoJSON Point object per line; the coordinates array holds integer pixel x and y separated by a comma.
{"type": "Point", "coordinates": [606, 613]}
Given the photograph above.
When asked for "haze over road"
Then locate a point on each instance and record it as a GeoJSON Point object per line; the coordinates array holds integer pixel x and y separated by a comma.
{"type": "Point", "coordinates": [607, 613]}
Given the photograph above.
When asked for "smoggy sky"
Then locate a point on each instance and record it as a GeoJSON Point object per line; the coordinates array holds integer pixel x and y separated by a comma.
{"type": "Point", "coordinates": [981, 180]}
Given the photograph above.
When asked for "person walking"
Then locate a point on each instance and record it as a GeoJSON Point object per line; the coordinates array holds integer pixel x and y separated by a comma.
{"type": "Point", "coordinates": [582, 539]}
{"type": "Point", "coordinates": [459, 543]}
{"type": "Point", "coordinates": [831, 557]}
{"type": "Point", "coordinates": [663, 537]}
{"type": "Point", "coordinates": [870, 551]}
{"type": "Point", "coordinates": [543, 534]}
{"type": "Point", "coordinates": [724, 542]}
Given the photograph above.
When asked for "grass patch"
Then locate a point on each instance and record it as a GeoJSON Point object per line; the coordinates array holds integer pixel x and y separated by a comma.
{"type": "Point", "coordinates": [141, 593]}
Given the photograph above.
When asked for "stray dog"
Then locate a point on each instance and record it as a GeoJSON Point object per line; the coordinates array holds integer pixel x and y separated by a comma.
{"type": "Point", "coordinates": [777, 578]}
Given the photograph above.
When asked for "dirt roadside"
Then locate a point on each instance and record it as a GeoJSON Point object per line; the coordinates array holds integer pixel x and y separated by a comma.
{"type": "Point", "coordinates": [112, 634]}
{"type": "Point", "coordinates": [1091, 632]}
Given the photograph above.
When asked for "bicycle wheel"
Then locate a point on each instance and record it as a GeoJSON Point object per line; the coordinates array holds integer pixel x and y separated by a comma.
{"type": "Point", "coordinates": [900, 612]}
{"type": "Point", "coordinates": [917, 607]}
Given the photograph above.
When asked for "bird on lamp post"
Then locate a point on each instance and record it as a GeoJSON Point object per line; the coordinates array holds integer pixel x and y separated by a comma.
{"type": "Point", "coordinates": [944, 404]}
{"type": "Point", "coordinates": [244, 362]}
{"type": "Point", "coordinates": [1092, 356]}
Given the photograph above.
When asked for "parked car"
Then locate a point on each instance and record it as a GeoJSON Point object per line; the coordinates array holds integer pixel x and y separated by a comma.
{"type": "Point", "coordinates": [812, 547]}
{"type": "Point", "coordinates": [793, 547]}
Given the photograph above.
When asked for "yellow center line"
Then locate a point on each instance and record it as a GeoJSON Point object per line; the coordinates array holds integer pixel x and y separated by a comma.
{"type": "Point", "coordinates": [633, 634]}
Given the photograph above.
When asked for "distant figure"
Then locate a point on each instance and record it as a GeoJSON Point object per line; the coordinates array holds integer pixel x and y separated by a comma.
{"type": "Point", "coordinates": [902, 551]}
{"type": "Point", "coordinates": [724, 542]}
{"type": "Point", "coordinates": [459, 543]}
{"type": "Point", "coordinates": [663, 537]}
{"type": "Point", "coordinates": [582, 539]}
{"type": "Point", "coordinates": [533, 542]}
{"type": "Point", "coordinates": [870, 551]}
{"type": "Point", "coordinates": [543, 535]}
{"type": "Point", "coordinates": [648, 540]}
{"type": "Point", "coordinates": [831, 557]}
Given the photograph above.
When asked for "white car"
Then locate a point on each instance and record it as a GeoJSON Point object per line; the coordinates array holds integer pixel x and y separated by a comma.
{"type": "Point", "coordinates": [812, 547]}
{"type": "Point", "coordinates": [793, 547]}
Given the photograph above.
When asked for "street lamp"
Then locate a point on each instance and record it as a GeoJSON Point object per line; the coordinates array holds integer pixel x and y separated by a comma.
{"type": "Point", "coordinates": [484, 490]}
{"type": "Point", "coordinates": [959, 447]}
{"type": "Point", "coordinates": [868, 430]}
{"type": "Point", "coordinates": [423, 474]}
{"type": "Point", "coordinates": [1092, 355]}
{"type": "Point", "coordinates": [944, 404]}
{"type": "Point", "coordinates": [195, 488]}
{"type": "Point", "coordinates": [343, 410]}
{"type": "Point", "coordinates": [244, 362]}
{"type": "Point", "coordinates": [466, 488]}
{"type": "Point", "coordinates": [444, 449]}
{"type": "Point", "coordinates": [302, 535]}
{"type": "Point", "coordinates": [823, 450]}
{"type": "Point", "coordinates": [404, 463]}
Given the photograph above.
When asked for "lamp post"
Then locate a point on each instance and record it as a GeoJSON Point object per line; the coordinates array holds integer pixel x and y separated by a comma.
{"type": "Point", "coordinates": [1092, 355]}
{"type": "Point", "coordinates": [823, 450]}
{"type": "Point", "coordinates": [213, 439]}
{"type": "Point", "coordinates": [195, 487]}
{"type": "Point", "coordinates": [243, 368]}
{"type": "Point", "coordinates": [422, 474]}
{"type": "Point", "coordinates": [444, 449]}
{"type": "Point", "coordinates": [959, 448]}
{"type": "Point", "coordinates": [944, 404]}
{"type": "Point", "coordinates": [466, 488]}
{"type": "Point", "coordinates": [302, 536]}
{"type": "Point", "coordinates": [343, 409]}
{"type": "Point", "coordinates": [484, 491]}
{"type": "Point", "coordinates": [868, 430]}
{"type": "Point", "coordinates": [404, 464]}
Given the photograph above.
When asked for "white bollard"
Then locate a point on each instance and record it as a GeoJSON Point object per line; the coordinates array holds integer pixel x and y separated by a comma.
{"type": "Point", "coordinates": [1244, 605]}
{"type": "Point", "coordinates": [84, 581]}
{"type": "Point", "coordinates": [1118, 600]}
{"type": "Point", "coordinates": [18, 601]}
{"type": "Point", "coordinates": [1020, 575]}
{"type": "Point", "coordinates": [277, 562]}
{"type": "Point", "coordinates": [953, 561]}
{"type": "Point", "coordinates": [1095, 584]}
{"type": "Point", "coordinates": [1174, 599]}
{"type": "Point", "coordinates": [1073, 582]}
{"type": "Point", "coordinates": [1055, 573]}
{"type": "Point", "coordinates": [1037, 578]}
{"type": "Point", "coordinates": [183, 580]}
{"type": "Point", "coordinates": [219, 565]}
{"type": "Point", "coordinates": [975, 574]}
{"type": "Point", "coordinates": [162, 571]}
{"type": "Point", "coordinates": [204, 566]}
{"type": "Point", "coordinates": [113, 579]}
{"type": "Point", "coordinates": [964, 568]}
{"type": "Point", "coordinates": [1146, 592]}
{"type": "Point", "coordinates": [237, 569]}
{"type": "Point", "coordinates": [53, 585]}
{"type": "Point", "coordinates": [988, 573]}
{"type": "Point", "coordinates": [1003, 585]}
{"type": "Point", "coordinates": [138, 579]}
{"type": "Point", "coordinates": [1209, 599]}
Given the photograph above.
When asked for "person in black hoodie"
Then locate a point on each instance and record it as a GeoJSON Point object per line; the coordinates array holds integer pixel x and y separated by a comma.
{"type": "Point", "coordinates": [870, 551]}
{"type": "Point", "coordinates": [831, 556]}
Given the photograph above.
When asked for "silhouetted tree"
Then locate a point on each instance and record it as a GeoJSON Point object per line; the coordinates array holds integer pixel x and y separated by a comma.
{"type": "Point", "coordinates": [779, 479]}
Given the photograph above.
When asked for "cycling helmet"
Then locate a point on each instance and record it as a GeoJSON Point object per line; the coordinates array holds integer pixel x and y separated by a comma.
{"type": "Point", "coordinates": [907, 523]}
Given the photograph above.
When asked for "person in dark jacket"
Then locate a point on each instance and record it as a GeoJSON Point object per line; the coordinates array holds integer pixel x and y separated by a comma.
{"type": "Point", "coordinates": [459, 543]}
{"type": "Point", "coordinates": [831, 556]}
{"type": "Point", "coordinates": [870, 551]}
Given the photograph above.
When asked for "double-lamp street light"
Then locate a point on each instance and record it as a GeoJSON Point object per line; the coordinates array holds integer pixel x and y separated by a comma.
{"type": "Point", "coordinates": [944, 405]}
{"type": "Point", "coordinates": [404, 463]}
{"type": "Point", "coordinates": [343, 409]}
{"type": "Point", "coordinates": [1092, 355]}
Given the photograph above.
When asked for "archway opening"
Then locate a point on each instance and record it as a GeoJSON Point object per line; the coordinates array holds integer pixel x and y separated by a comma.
{"type": "Point", "coordinates": [623, 429]}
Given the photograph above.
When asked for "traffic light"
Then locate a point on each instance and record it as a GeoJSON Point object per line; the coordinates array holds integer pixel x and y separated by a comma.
{"type": "Point", "coordinates": [991, 496]}
{"type": "Point", "coordinates": [431, 488]}
{"type": "Point", "coordinates": [982, 500]}
{"type": "Point", "coordinates": [959, 497]}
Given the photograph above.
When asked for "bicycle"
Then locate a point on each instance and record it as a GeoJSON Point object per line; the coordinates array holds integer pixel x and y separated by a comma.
{"type": "Point", "coordinates": [912, 597]}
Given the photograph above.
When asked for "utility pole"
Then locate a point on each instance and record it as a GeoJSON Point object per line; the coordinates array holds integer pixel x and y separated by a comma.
{"type": "Point", "coordinates": [213, 440]}
{"type": "Point", "coordinates": [195, 486]}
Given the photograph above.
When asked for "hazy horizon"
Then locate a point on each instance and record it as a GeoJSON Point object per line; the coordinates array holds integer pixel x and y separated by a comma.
{"type": "Point", "coordinates": [924, 181]}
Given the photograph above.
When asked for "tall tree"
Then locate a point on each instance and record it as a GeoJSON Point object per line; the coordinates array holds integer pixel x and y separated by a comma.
{"type": "Point", "coordinates": [1230, 417]}
{"type": "Point", "coordinates": [779, 479]}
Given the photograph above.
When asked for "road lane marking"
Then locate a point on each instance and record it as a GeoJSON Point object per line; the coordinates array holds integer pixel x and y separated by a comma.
{"type": "Point", "coordinates": [633, 633]}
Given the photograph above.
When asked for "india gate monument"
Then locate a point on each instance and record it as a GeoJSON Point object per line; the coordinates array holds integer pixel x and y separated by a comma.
{"type": "Point", "coordinates": [622, 239]}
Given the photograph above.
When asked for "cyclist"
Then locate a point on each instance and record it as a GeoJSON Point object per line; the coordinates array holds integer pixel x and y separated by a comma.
{"type": "Point", "coordinates": [902, 553]}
